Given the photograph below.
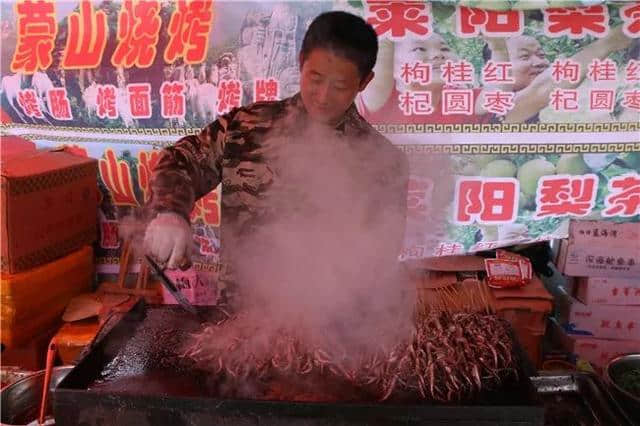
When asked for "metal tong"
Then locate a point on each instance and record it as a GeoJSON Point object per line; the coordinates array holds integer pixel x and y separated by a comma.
{"type": "Point", "coordinates": [170, 286]}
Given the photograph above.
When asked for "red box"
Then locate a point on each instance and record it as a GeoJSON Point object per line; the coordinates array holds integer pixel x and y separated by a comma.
{"type": "Point", "coordinates": [14, 145]}
{"type": "Point", "coordinates": [608, 291]}
{"type": "Point", "coordinates": [49, 207]}
{"type": "Point", "coordinates": [32, 355]}
{"type": "Point", "coordinates": [526, 308]}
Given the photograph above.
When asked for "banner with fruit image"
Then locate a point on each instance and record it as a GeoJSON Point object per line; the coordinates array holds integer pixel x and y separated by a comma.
{"type": "Point", "coordinates": [529, 104]}
{"type": "Point", "coordinates": [503, 200]}
{"type": "Point", "coordinates": [525, 113]}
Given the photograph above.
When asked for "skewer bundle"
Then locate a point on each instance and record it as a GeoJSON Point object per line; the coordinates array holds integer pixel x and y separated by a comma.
{"type": "Point", "coordinates": [457, 349]}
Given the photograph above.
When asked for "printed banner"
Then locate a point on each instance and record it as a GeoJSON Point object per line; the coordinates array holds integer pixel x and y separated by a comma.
{"type": "Point", "coordinates": [124, 170]}
{"type": "Point", "coordinates": [532, 106]}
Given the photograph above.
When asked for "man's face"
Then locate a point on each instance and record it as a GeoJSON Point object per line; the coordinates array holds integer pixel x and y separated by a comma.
{"type": "Point", "coordinates": [329, 84]}
{"type": "Point", "coordinates": [528, 59]}
{"type": "Point", "coordinates": [433, 51]}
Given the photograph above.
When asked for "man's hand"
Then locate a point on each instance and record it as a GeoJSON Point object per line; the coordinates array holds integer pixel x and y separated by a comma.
{"type": "Point", "coordinates": [168, 239]}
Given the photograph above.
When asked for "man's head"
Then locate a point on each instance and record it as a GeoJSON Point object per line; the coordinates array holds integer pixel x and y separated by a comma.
{"type": "Point", "coordinates": [433, 51]}
{"type": "Point", "coordinates": [337, 57]}
{"type": "Point", "coordinates": [528, 59]}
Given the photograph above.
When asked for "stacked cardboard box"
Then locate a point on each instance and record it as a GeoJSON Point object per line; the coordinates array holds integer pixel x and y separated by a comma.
{"type": "Point", "coordinates": [13, 145]}
{"type": "Point", "coordinates": [32, 302]}
{"type": "Point", "coordinates": [601, 318]}
{"type": "Point", "coordinates": [49, 207]}
{"type": "Point", "coordinates": [597, 351]}
{"type": "Point", "coordinates": [48, 220]}
{"type": "Point", "coordinates": [527, 309]}
{"type": "Point", "coordinates": [601, 249]}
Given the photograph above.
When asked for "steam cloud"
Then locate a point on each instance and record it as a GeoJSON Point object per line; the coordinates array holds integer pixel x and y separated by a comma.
{"type": "Point", "coordinates": [325, 265]}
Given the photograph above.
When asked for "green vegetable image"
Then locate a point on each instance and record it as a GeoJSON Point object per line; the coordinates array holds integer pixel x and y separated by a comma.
{"type": "Point", "coordinates": [465, 235]}
{"type": "Point", "coordinates": [490, 4]}
{"type": "Point", "coordinates": [598, 162]}
{"type": "Point", "coordinates": [499, 168]}
{"type": "Point", "coordinates": [529, 4]}
{"type": "Point", "coordinates": [539, 227]}
{"type": "Point", "coordinates": [564, 3]}
{"type": "Point", "coordinates": [571, 164]}
{"type": "Point", "coordinates": [527, 202]}
{"type": "Point", "coordinates": [631, 160]}
{"type": "Point", "coordinates": [531, 171]}
{"type": "Point", "coordinates": [489, 232]}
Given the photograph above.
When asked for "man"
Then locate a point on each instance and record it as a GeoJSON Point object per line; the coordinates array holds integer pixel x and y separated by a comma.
{"type": "Point", "coordinates": [385, 98]}
{"type": "Point", "coordinates": [251, 151]}
{"type": "Point", "coordinates": [533, 76]}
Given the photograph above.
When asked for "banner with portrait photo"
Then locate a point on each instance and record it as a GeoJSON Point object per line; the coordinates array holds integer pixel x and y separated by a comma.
{"type": "Point", "coordinates": [530, 110]}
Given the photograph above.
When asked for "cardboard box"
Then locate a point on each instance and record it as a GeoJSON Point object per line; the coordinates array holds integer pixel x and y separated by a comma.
{"type": "Point", "coordinates": [526, 308]}
{"type": "Point", "coordinates": [601, 321]}
{"type": "Point", "coordinates": [597, 351]}
{"type": "Point", "coordinates": [601, 249]}
{"type": "Point", "coordinates": [32, 354]}
{"type": "Point", "coordinates": [608, 291]}
{"type": "Point", "coordinates": [33, 301]}
{"type": "Point", "coordinates": [14, 145]}
{"type": "Point", "coordinates": [49, 202]}
{"type": "Point", "coordinates": [448, 263]}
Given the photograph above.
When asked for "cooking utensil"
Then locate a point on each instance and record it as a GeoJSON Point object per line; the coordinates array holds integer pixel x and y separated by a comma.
{"type": "Point", "coordinates": [51, 357]}
{"type": "Point", "coordinates": [21, 400]}
{"type": "Point", "coordinates": [579, 396]}
{"type": "Point", "coordinates": [136, 376]}
{"type": "Point", "coordinates": [614, 369]}
{"type": "Point", "coordinates": [82, 307]}
{"type": "Point", "coordinates": [170, 286]}
{"type": "Point", "coordinates": [91, 304]}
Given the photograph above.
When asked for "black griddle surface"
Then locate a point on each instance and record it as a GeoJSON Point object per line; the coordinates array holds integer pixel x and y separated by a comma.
{"type": "Point", "coordinates": [147, 361]}
{"type": "Point", "coordinates": [137, 368]}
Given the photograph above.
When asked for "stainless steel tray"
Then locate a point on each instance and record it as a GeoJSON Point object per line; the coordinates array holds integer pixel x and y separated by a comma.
{"type": "Point", "coordinates": [578, 399]}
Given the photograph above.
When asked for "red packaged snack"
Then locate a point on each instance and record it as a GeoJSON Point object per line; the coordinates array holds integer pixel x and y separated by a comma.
{"type": "Point", "coordinates": [525, 264]}
{"type": "Point", "coordinates": [504, 254]}
{"type": "Point", "coordinates": [503, 273]}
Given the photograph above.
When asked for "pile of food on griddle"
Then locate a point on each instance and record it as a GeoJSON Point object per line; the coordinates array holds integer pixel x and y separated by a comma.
{"type": "Point", "coordinates": [454, 352]}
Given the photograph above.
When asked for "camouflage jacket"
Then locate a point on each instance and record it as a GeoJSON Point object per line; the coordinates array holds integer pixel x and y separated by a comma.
{"type": "Point", "coordinates": [242, 150]}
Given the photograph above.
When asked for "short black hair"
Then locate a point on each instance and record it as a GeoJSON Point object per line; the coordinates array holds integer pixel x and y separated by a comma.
{"type": "Point", "coordinates": [346, 35]}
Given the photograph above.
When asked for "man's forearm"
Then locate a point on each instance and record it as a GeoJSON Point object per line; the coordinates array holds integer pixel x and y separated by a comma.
{"type": "Point", "coordinates": [187, 171]}
{"type": "Point", "coordinates": [172, 186]}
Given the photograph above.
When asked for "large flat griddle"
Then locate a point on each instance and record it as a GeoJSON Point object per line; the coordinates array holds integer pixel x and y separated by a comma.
{"type": "Point", "coordinates": [134, 376]}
